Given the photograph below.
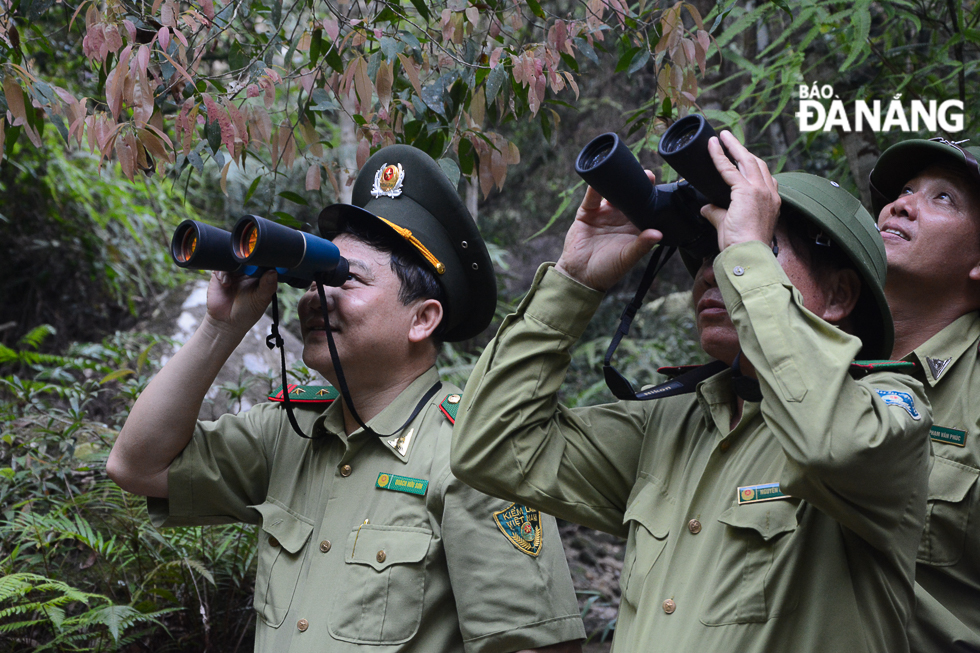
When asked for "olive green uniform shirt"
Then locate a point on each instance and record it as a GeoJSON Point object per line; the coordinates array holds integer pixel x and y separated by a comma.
{"type": "Point", "coordinates": [344, 565]}
{"type": "Point", "coordinates": [947, 591]}
{"type": "Point", "coordinates": [828, 568]}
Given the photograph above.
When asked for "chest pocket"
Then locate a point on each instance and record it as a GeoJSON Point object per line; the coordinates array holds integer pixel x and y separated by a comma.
{"type": "Point", "coordinates": [743, 586]}
{"type": "Point", "coordinates": [648, 518]}
{"type": "Point", "coordinates": [380, 599]}
{"type": "Point", "coordinates": [282, 541]}
{"type": "Point", "coordinates": [947, 513]}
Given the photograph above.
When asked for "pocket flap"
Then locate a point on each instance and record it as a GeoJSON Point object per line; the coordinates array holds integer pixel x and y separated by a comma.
{"type": "Point", "coordinates": [383, 546]}
{"type": "Point", "coordinates": [287, 527]}
{"type": "Point", "coordinates": [651, 508]}
{"type": "Point", "coordinates": [950, 480]}
{"type": "Point", "coordinates": [768, 519]}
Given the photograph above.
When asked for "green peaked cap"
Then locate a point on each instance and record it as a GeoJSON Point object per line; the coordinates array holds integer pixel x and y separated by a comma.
{"type": "Point", "coordinates": [404, 189]}
{"type": "Point", "coordinates": [903, 161]}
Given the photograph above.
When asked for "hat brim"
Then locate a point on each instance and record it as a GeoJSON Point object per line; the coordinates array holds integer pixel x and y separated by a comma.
{"type": "Point", "coordinates": [903, 161]}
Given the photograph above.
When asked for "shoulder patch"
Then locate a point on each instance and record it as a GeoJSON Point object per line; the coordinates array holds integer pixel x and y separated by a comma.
{"type": "Point", "coordinates": [900, 399]}
{"type": "Point", "coordinates": [522, 528]}
{"type": "Point", "coordinates": [306, 394]}
{"type": "Point", "coordinates": [863, 368]}
{"type": "Point", "coordinates": [449, 406]}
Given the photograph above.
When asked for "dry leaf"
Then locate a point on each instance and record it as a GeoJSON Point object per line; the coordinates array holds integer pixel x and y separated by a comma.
{"type": "Point", "coordinates": [412, 70]}
{"type": "Point", "coordinates": [384, 82]}
{"type": "Point", "coordinates": [313, 177]}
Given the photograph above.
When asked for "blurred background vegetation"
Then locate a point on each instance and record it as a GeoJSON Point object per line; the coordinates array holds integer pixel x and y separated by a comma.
{"type": "Point", "coordinates": [84, 270]}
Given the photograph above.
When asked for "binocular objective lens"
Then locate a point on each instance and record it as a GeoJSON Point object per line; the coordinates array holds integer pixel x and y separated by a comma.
{"type": "Point", "coordinates": [187, 246]}
{"type": "Point", "coordinates": [246, 244]}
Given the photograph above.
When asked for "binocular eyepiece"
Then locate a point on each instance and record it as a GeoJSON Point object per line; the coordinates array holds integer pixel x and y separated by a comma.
{"type": "Point", "coordinates": [608, 166]}
{"type": "Point", "coordinates": [256, 245]}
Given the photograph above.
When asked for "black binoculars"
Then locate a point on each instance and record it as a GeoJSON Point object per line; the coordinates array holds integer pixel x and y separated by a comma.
{"type": "Point", "coordinates": [608, 166]}
{"type": "Point", "coordinates": [256, 245]}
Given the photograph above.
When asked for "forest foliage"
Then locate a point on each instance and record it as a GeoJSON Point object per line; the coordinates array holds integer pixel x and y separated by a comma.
{"type": "Point", "coordinates": [119, 118]}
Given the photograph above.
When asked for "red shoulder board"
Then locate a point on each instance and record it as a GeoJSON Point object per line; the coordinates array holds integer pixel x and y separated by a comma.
{"type": "Point", "coordinates": [450, 405]}
{"type": "Point", "coordinates": [862, 368]}
{"type": "Point", "coordinates": [676, 370]}
{"type": "Point", "coordinates": [307, 394]}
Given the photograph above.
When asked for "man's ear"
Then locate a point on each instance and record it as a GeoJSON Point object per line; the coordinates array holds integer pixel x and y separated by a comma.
{"type": "Point", "coordinates": [428, 315]}
{"type": "Point", "coordinates": [843, 288]}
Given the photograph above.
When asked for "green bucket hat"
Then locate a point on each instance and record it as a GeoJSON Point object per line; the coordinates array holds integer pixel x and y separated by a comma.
{"type": "Point", "coordinates": [839, 215]}
{"type": "Point", "coordinates": [905, 160]}
{"type": "Point", "coordinates": [405, 190]}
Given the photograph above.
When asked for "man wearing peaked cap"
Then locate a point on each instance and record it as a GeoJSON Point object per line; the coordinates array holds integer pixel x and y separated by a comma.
{"type": "Point", "coordinates": [927, 197]}
{"type": "Point", "coordinates": [367, 542]}
{"type": "Point", "coordinates": [405, 190]}
{"type": "Point", "coordinates": [771, 501]}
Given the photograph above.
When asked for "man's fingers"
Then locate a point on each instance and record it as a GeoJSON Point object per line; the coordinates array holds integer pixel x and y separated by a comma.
{"type": "Point", "coordinates": [592, 199]}
{"type": "Point", "coordinates": [729, 173]}
{"type": "Point", "coordinates": [714, 214]}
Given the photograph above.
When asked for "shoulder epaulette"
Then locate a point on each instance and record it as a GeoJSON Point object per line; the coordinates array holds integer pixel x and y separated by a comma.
{"type": "Point", "coordinates": [862, 368]}
{"type": "Point", "coordinates": [306, 394]}
{"type": "Point", "coordinates": [676, 370]}
{"type": "Point", "coordinates": [450, 405]}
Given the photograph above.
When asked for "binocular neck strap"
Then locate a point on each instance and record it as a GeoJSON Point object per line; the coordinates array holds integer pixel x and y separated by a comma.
{"type": "Point", "coordinates": [274, 339]}
{"type": "Point", "coordinates": [342, 381]}
{"type": "Point", "coordinates": [617, 383]}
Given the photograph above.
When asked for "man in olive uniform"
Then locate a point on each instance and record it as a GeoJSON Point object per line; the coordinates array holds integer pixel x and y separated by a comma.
{"type": "Point", "coordinates": [367, 540]}
{"type": "Point", "coordinates": [927, 196]}
{"type": "Point", "coordinates": [781, 517]}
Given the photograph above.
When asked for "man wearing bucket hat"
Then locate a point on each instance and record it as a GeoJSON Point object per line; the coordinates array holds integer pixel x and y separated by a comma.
{"type": "Point", "coordinates": [927, 197]}
{"type": "Point", "coordinates": [777, 516]}
{"type": "Point", "coordinates": [367, 540]}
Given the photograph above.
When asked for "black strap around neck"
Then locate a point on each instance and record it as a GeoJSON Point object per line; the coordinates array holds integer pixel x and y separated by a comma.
{"type": "Point", "coordinates": [274, 339]}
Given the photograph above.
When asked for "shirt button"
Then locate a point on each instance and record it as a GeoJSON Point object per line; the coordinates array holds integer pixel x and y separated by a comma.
{"type": "Point", "coordinates": [324, 546]}
{"type": "Point", "coordinates": [302, 625]}
{"type": "Point", "coordinates": [738, 270]}
{"type": "Point", "coordinates": [694, 526]}
{"type": "Point", "coordinates": [382, 556]}
{"type": "Point", "coordinates": [669, 606]}
{"type": "Point", "coordinates": [346, 470]}
{"type": "Point", "coordinates": [273, 542]}
{"type": "Point", "coordinates": [724, 446]}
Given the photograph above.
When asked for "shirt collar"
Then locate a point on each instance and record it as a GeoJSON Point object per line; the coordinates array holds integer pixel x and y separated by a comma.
{"type": "Point", "coordinates": [941, 351]}
{"type": "Point", "coordinates": [389, 419]}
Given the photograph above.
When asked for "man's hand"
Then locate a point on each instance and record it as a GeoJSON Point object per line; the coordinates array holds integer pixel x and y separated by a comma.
{"type": "Point", "coordinates": [236, 302]}
{"type": "Point", "coordinates": [755, 203]}
{"type": "Point", "coordinates": [602, 245]}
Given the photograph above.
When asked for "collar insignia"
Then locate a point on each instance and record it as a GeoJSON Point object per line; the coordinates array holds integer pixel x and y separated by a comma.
{"type": "Point", "coordinates": [937, 367]}
{"type": "Point", "coordinates": [388, 181]}
{"type": "Point", "coordinates": [400, 444]}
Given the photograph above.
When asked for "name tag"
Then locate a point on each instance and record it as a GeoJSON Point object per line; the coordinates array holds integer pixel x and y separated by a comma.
{"type": "Point", "coordinates": [402, 483]}
{"type": "Point", "coordinates": [758, 493]}
{"type": "Point", "coordinates": [948, 436]}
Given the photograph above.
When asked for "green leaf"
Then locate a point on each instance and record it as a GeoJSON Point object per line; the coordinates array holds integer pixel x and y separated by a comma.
{"type": "Point", "coordinates": [316, 43]}
{"type": "Point", "coordinates": [389, 47]}
{"type": "Point", "coordinates": [237, 57]}
{"type": "Point", "coordinates": [451, 169]}
{"type": "Point", "coordinates": [118, 374]}
{"type": "Point", "coordinates": [495, 80]}
{"type": "Point", "coordinates": [293, 197]}
{"type": "Point", "coordinates": [251, 189]}
{"type": "Point", "coordinates": [420, 6]}
{"type": "Point", "coordinates": [639, 60]}
{"type": "Point", "coordinates": [536, 9]}
{"type": "Point", "coordinates": [586, 49]}
{"type": "Point", "coordinates": [570, 61]}
{"type": "Point", "coordinates": [277, 14]}
{"type": "Point", "coordinates": [212, 132]}
{"type": "Point", "coordinates": [627, 58]}
{"type": "Point", "coordinates": [333, 59]}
